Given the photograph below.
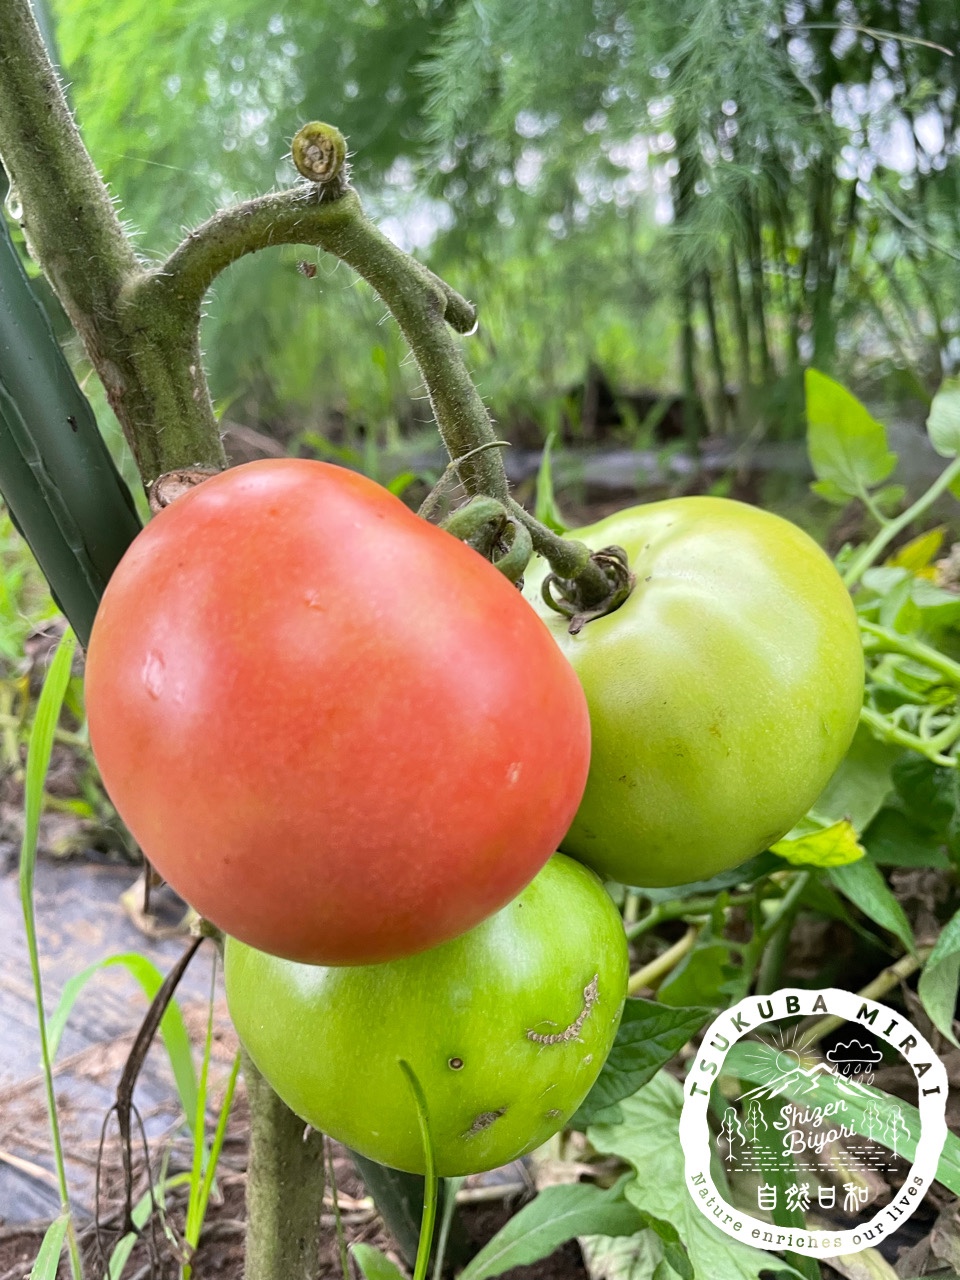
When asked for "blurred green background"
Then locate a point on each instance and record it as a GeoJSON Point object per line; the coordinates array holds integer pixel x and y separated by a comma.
{"type": "Point", "coordinates": [673, 207]}
{"type": "Point", "coordinates": [665, 213]}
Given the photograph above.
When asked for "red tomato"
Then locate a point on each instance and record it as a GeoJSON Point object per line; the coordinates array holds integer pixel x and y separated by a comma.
{"type": "Point", "coordinates": [337, 731]}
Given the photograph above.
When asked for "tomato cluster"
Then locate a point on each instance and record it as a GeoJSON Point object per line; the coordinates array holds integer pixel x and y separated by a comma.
{"type": "Point", "coordinates": [349, 742]}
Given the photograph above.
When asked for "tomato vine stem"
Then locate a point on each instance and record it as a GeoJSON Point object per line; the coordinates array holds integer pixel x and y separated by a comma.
{"type": "Point", "coordinates": [867, 555]}
{"type": "Point", "coordinates": [428, 310]}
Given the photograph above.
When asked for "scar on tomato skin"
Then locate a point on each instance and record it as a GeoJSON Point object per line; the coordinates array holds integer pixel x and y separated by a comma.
{"type": "Point", "coordinates": [483, 1121]}
{"type": "Point", "coordinates": [590, 998]}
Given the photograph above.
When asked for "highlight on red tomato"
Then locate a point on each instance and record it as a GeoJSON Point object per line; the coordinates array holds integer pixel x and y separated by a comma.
{"type": "Point", "coordinates": [723, 693]}
{"type": "Point", "coordinates": [336, 730]}
{"type": "Point", "coordinates": [506, 1028]}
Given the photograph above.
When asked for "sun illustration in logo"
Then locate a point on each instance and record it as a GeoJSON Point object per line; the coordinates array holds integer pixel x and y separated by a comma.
{"type": "Point", "coordinates": [787, 1060]}
{"type": "Point", "coordinates": [793, 1054]}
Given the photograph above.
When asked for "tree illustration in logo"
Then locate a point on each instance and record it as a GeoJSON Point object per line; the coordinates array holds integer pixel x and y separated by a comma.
{"type": "Point", "coordinates": [871, 1123]}
{"type": "Point", "coordinates": [730, 1132]}
{"type": "Point", "coordinates": [897, 1130]}
{"type": "Point", "coordinates": [754, 1121]}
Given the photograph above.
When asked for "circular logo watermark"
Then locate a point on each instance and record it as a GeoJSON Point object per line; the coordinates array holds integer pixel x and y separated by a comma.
{"type": "Point", "coordinates": [806, 1138]}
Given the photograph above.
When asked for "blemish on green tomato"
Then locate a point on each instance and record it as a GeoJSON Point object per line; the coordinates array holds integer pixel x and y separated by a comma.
{"type": "Point", "coordinates": [328, 1039]}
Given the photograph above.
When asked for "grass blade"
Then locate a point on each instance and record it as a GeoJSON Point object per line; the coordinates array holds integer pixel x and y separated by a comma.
{"type": "Point", "coordinates": [172, 1026]}
{"type": "Point", "coordinates": [38, 762]}
{"type": "Point", "coordinates": [431, 1186]}
{"type": "Point", "coordinates": [47, 1262]}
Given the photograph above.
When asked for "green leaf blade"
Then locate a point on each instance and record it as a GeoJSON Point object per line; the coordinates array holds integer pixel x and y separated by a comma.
{"type": "Point", "coordinates": [648, 1139]}
{"type": "Point", "coordinates": [47, 1261]}
{"type": "Point", "coordinates": [940, 980]}
{"type": "Point", "coordinates": [375, 1265]}
{"type": "Point", "coordinates": [649, 1036]}
{"type": "Point", "coordinates": [847, 446]}
{"type": "Point", "coordinates": [943, 423]}
{"type": "Point", "coordinates": [833, 846]}
{"type": "Point", "coordinates": [173, 1029]}
{"type": "Point", "coordinates": [863, 883]}
{"type": "Point", "coordinates": [558, 1214]}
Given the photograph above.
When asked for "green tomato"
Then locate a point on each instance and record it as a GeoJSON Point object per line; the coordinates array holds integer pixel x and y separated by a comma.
{"type": "Point", "coordinates": [723, 694]}
{"type": "Point", "coordinates": [506, 1029]}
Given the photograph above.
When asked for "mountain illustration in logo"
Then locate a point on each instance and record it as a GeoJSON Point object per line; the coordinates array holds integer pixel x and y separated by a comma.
{"type": "Point", "coordinates": [801, 1080]}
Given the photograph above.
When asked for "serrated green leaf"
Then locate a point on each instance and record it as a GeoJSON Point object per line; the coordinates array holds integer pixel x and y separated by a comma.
{"type": "Point", "coordinates": [375, 1265]}
{"type": "Point", "coordinates": [864, 885]}
{"type": "Point", "coordinates": [847, 446]}
{"type": "Point", "coordinates": [930, 796]}
{"type": "Point", "coordinates": [940, 980]}
{"type": "Point", "coordinates": [649, 1140]}
{"type": "Point", "coordinates": [649, 1036]}
{"type": "Point", "coordinates": [833, 846]}
{"type": "Point", "coordinates": [557, 1215]}
{"type": "Point", "coordinates": [943, 423]}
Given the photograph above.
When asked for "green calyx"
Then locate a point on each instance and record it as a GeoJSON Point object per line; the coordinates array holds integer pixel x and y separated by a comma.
{"type": "Point", "coordinates": [484, 524]}
{"type": "Point", "coordinates": [319, 152]}
{"type": "Point", "coordinates": [572, 598]}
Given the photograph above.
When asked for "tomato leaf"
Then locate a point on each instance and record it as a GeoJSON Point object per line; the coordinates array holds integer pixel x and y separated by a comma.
{"type": "Point", "coordinates": [674, 1254]}
{"type": "Point", "coordinates": [943, 424]}
{"type": "Point", "coordinates": [375, 1265]}
{"type": "Point", "coordinates": [940, 980]}
{"type": "Point", "coordinates": [762, 865]}
{"type": "Point", "coordinates": [860, 785]}
{"type": "Point", "coordinates": [892, 840]}
{"type": "Point", "coordinates": [847, 446]}
{"type": "Point", "coordinates": [833, 846]}
{"type": "Point", "coordinates": [649, 1035]}
{"type": "Point", "coordinates": [557, 1215]}
{"type": "Point", "coordinates": [919, 553]}
{"type": "Point", "coordinates": [863, 883]}
{"type": "Point", "coordinates": [649, 1140]}
{"type": "Point", "coordinates": [930, 795]}
{"type": "Point", "coordinates": [635, 1257]}
{"type": "Point", "coordinates": [708, 972]}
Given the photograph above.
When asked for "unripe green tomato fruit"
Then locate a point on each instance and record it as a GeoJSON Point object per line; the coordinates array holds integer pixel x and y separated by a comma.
{"type": "Point", "coordinates": [723, 693]}
{"type": "Point", "coordinates": [506, 1029]}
